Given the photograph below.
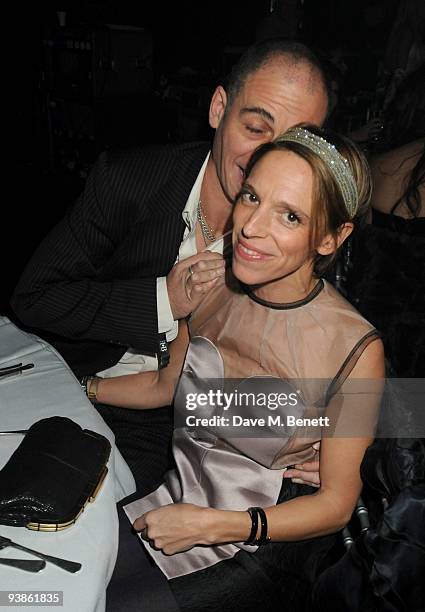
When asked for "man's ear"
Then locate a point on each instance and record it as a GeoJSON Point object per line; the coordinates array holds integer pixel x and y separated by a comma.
{"type": "Point", "coordinates": [217, 106]}
{"type": "Point", "coordinates": [330, 243]}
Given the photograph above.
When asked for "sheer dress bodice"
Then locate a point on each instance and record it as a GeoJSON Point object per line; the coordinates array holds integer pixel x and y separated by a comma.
{"type": "Point", "coordinates": [315, 341]}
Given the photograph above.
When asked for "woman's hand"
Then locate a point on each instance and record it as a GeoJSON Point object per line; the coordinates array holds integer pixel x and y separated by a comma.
{"type": "Point", "coordinates": [178, 527]}
{"type": "Point", "coordinates": [174, 528]}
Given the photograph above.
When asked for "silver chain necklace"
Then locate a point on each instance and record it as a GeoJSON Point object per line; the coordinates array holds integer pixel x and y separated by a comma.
{"type": "Point", "coordinates": [208, 234]}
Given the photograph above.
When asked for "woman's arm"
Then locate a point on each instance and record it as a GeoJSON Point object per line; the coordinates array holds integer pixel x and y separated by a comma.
{"type": "Point", "coordinates": [178, 527]}
{"type": "Point", "coordinates": [147, 389]}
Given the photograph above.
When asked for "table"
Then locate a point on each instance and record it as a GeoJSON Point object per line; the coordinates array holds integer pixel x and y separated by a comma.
{"type": "Point", "coordinates": [49, 389]}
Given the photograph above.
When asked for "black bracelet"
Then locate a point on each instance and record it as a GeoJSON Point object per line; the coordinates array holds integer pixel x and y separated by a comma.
{"type": "Point", "coordinates": [163, 355]}
{"type": "Point", "coordinates": [264, 538]}
{"type": "Point", "coordinates": [253, 513]}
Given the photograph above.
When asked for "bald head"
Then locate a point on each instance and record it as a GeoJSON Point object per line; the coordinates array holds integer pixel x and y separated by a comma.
{"type": "Point", "coordinates": [297, 61]}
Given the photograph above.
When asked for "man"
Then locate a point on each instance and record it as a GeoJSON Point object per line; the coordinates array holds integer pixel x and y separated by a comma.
{"type": "Point", "coordinates": [103, 287]}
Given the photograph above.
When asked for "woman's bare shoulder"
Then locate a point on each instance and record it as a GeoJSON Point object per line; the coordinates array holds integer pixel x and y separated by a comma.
{"type": "Point", "coordinates": [399, 160]}
{"type": "Point", "coordinates": [390, 170]}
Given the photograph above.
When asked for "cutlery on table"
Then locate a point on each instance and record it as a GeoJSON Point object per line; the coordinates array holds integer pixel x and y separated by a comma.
{"type": "Point", "coordinates": [69, 566]}
{"type": "Point", "coordinates": [14, 432]}
{"type": "Point", "coordinates": [18, 368]}
{"type": "Point", "coordinates": [24, 564]}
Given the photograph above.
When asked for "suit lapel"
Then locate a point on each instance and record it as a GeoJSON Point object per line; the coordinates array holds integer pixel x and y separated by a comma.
{"type": "Point", "coordinates": [173, 194]}
{"type": "Point", "coordinates": [171, 199]}
{"type": "Point", "coordinates": [156, 240]}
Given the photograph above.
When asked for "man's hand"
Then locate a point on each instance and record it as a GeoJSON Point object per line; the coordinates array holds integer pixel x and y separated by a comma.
{"type": "Point", "coordinates": [191, 279]}
{"type": "Point", "coordinates": [173, 528]}
{"type": "Point", "coordinates": [308, 472]}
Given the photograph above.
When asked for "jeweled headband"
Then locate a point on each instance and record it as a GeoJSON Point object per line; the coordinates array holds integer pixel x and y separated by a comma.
{"type": "Point", "coordinates": [336, 163]}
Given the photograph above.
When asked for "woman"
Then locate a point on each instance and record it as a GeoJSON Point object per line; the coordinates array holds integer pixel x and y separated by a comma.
{"type": "Point", "coordinates": [387, 283]}
{"type": "Point", "coordinates": [274, 316]}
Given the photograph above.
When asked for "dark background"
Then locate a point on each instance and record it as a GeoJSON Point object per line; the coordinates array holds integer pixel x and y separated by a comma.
{"type": "Point", "coordinates": [76, 90]}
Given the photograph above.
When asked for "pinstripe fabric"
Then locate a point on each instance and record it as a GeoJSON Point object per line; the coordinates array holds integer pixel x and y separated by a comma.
{"type": "Point", "coordinates": [90, 288]}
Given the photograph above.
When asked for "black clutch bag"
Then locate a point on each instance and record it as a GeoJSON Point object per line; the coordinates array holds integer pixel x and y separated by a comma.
{"type": "Point", "coordinates": [56, 470]}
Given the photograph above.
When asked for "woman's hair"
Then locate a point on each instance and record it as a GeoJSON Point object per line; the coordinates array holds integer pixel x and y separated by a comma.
{"type": "Point", "coordinates": [406, 39]}
{"type": "Point", "coordinates": [329, 211]}
{"type": "Point", "coordinates": [404, 117]}
{"type": "Point", "coordinates": [411, 196]}
{"type": "Point", "coordinates": [404, 122]}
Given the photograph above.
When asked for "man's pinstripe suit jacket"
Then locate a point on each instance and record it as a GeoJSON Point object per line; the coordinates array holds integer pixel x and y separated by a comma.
{"type": "Point", "coordinates": [90, 288]}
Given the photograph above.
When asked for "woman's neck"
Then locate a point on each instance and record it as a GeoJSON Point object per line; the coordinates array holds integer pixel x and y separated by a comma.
{"type": "Point", "coordinates": [291, 288]}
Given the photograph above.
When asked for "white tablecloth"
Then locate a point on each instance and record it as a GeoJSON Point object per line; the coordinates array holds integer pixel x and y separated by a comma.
{"type": "Point", "coordinates": [49, 389]}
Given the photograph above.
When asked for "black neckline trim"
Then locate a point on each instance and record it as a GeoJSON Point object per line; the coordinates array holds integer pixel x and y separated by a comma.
{"type": "Point", "coordinates": [289, 305]}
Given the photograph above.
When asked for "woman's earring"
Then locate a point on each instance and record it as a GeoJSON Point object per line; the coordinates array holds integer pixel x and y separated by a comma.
{"type": "Point", "coordinates": [343, 266]}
